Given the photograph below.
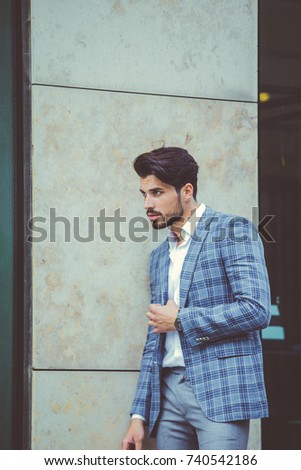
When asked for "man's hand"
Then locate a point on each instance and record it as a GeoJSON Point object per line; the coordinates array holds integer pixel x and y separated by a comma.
{"type": "Point", "coordinates": [134, 435]}
{"type": "Point", "coordinates": [162, 317]}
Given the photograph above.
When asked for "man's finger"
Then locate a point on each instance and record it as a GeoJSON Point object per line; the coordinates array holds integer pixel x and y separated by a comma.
{"type": "Point", "coordinates": [154, 307]}
{"type": "Point", "coordinates": [125, 444]}
{"type": "Point", "coordinates": [152, 318]}
{"type": "Point", "coordinates": [138, 444]}
{"type": "Point", "coordinates": [156, 330]}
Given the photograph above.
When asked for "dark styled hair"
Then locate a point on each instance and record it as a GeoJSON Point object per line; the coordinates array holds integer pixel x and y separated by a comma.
{"type": "Point", "coordinates": [172, 165]}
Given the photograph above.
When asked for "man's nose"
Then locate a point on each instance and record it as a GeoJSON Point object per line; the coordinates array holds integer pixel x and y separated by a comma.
{"type": "Point", "coordinates": [148, 202]}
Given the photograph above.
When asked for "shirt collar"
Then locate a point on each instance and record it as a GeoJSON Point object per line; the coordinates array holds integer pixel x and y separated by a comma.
{"type": "Point", "coordinates": [189, 227]}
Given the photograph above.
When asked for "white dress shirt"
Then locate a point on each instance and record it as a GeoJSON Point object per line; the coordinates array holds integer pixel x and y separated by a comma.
{"type": "Point", "coordinates": [173, 356]}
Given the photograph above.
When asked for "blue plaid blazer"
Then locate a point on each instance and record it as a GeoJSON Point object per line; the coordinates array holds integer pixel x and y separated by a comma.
{"type": "Point", "coordinates": [224, 302]}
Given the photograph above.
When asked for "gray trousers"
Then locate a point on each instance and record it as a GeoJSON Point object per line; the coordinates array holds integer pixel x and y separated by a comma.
{"type": "Point", "coordinates": [183, 425]}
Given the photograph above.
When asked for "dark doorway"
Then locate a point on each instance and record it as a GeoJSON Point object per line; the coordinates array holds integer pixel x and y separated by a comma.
{"type": "Point", "coordinates": [14, 133]}
{"type": "Point", "coordinates": [280, 196]}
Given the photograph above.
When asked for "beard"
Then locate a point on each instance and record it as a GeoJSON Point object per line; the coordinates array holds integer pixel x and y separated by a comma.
{"type": "Point", "coordinates": [166, 220]}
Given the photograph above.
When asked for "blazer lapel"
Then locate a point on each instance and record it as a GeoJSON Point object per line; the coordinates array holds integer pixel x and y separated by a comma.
{"type": "Point", "coordinates": [163, 267]}
{"type": "Point", "coordinates": [198, 238]}
{"type": "Point", "coordinates": [163, 270]}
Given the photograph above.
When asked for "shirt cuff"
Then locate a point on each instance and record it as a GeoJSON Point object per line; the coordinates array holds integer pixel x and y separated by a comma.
{"type": "Point", "coordinates": [138, 416]}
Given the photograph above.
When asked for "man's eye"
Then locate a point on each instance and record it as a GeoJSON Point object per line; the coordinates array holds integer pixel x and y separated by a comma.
{"type": "Point", "coordinates": [158, 192]}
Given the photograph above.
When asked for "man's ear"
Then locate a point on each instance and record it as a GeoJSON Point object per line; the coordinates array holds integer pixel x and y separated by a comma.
{"type": "Point", "coordinates": [187, 191]}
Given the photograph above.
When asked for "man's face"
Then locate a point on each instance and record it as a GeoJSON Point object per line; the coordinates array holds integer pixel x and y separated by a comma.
{"type": "Point", "coordinates": [161, 201]}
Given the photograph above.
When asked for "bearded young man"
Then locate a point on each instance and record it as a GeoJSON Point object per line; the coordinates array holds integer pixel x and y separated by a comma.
{"type": "Point", "coordinates": [201, 378]}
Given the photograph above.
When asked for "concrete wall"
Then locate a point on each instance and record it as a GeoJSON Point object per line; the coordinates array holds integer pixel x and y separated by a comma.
{"type": "Point", "coordinates": [112, 79]}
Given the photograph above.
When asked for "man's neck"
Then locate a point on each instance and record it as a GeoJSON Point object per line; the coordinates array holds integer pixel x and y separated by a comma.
{"type": "Point", "coordinates": [177, 226]}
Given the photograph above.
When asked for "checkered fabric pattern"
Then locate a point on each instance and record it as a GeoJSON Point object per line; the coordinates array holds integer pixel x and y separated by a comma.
{"type": "Point", "coordinates": [224, 302]}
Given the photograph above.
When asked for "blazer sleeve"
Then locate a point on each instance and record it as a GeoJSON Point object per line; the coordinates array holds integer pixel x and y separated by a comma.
{"type": "Point", "coordinates": [243, 266]}
{"type": "Point", "coordinates": [142, 400]}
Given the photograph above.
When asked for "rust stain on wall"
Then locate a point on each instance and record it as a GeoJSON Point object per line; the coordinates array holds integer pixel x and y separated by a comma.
{"type": "Point", "coordinates": [54, 281]}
